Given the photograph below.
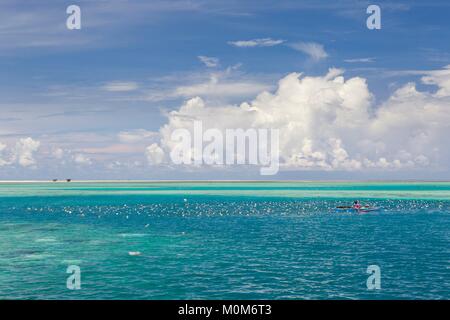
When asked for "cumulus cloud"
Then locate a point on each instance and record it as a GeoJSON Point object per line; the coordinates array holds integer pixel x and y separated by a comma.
{"type": "Point", "coordinates": [210, 62]}
{"type": "Point", "coordinates": [264, 42]}
{"type": "Point", "coordinates": [3, 162]}
{"type": "Point", "coordinates": [314, 50]}
{"type": "Point", "coordinates": [24, 151]}
{"type": "Point", "coordinates": [118, 86]}
{"type": "Point", "coordinates": [440, 78]}
{"type": "Point", "coordinates": [331, 123]}
{"type": "Point", "coordinates": [155, 154]}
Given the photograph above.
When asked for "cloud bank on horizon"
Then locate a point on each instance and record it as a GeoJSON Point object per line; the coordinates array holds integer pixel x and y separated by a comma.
{"type": "Point", "coordinates": [329, 123]}
{"type": "Point", "coordinates": [326, 123]}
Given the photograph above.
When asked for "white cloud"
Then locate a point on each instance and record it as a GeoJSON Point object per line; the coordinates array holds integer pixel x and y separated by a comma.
{"type": "Point", "coordinates": [223, 85]}
{"type": "Point", "coordinates": [218, 86]}
{"type": "Point", "coordinates": [3, 162]}
{"type": "Point", "coordinates": [82, 159]}
{"type": "Point", "coordinates": [264, 42]}
{"type": "Point", "coordinates": [154, 153]}
{"type": "Point", "coordinates": [360, 60]}
{"type": "Point", "coordinates": [314, 50]}
{"type": "Point", "coordinates": [210, 62]}
{"type": "Point", "coordinates": [58, 153]}
{"type": "Point", "coordinates": [135, 136]}
{"type": "Point", "coordinates": [330, 123]}
{"type": "Point", "coordinates": [117, 86]}
{"type": "Point", "coordinates": [24, 151]}
{"type": "Point", "coordinates": [440, 78]}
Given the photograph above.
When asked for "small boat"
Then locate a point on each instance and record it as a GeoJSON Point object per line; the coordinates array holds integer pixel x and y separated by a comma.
{"type": "Point", "coordinates": [345, 209]}
{"type": "Point", "coordinates": [350, 209]}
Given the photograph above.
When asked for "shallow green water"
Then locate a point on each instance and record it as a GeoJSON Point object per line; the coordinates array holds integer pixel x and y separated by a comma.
{"type": "Point", "coordinates": [223, 240]}
{"type": "Point", "coordinates": [403, 190]}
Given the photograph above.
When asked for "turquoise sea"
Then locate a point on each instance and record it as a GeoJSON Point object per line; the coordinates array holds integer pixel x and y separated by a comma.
{"type": "Point", "coordinates": [224, 240]}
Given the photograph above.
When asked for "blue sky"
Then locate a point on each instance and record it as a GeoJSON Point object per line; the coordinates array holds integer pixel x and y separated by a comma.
{"type": "Point", "coordinates": [91, 101]}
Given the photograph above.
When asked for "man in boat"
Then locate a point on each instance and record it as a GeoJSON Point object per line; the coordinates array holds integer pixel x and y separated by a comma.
{"type": "Point", "coordinates": [356, 205]}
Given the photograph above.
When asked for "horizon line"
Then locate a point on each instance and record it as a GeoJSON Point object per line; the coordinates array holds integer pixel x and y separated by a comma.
{"type": "Point", "coordinates": [213, 181]}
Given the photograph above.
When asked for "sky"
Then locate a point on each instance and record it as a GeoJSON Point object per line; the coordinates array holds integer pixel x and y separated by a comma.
{"type": "Point", "coordinates": [101, 102]}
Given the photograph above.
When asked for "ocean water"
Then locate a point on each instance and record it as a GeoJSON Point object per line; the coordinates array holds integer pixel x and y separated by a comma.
{"type": "Point", "coordinates": [224, 240]}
